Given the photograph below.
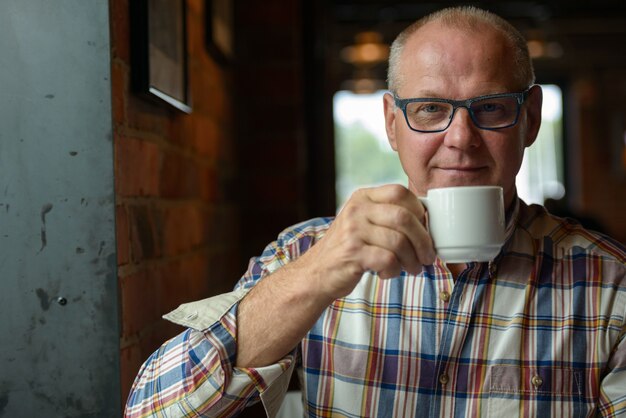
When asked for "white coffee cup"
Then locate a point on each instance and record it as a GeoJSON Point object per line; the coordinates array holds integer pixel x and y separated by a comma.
{"type": "Point", "coordinates": [466, 223]}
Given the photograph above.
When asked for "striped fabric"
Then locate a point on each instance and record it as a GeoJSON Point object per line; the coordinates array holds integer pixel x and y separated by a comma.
{"type": "Point", "coordinates": [539, 332]}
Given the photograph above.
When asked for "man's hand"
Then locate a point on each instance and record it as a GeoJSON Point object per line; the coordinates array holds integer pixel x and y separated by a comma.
{"type": "Point", "coordinates": [380, 229]}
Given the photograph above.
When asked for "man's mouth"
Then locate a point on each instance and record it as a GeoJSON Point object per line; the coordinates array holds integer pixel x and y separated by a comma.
{"type": "Point", "coordinates": [463, 174]}
{"type": "Point", "coordinates": [468, 169]}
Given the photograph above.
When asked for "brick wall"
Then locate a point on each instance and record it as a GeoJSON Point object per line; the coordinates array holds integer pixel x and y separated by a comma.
{"type": "Point", "coordinates": [177, 216]}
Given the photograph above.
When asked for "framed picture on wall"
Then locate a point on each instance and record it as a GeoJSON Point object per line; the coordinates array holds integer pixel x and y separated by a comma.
{"type": "Point", "coordinates": [219, 29]}
{"type": "Point", "coordinates": [159, 51]}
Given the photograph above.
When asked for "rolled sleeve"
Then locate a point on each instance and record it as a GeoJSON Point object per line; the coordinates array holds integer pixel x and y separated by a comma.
{"type": "Point", "coordinates": [194, 374]}
{"type": "Point", "coordinates": [201, 315]}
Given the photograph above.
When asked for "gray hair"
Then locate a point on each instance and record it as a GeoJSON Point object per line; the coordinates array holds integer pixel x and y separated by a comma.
{"type": "Point", "coordinates": [465, 18]}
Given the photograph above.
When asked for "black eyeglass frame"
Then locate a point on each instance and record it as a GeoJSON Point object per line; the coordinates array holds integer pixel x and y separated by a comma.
{"type": "Point", "coordinates": [520, 97]}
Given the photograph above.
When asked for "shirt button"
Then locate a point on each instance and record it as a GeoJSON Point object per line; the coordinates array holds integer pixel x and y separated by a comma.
{"type": "Point", "coordinates": [493, 269]}
{"type": "Point", "coordinates": [443, 379]}
{"type": "Point", "coordinates": [444, 296]}
{"type": "Point", "coordinates": [537, 381]}
{"type": "Point", "coordinates": [191, 316]}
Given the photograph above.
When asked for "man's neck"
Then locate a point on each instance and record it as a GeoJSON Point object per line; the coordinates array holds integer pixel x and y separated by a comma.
{"type": "Point", "coordinates": [456, 269]}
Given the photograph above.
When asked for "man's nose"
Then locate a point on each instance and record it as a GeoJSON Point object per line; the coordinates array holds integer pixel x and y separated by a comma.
{"type": "Point", "coordinates": [462, 132]}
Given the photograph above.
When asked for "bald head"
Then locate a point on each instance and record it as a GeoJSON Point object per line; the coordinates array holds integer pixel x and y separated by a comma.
{"type": "Point", "coordinates": [472, 21]}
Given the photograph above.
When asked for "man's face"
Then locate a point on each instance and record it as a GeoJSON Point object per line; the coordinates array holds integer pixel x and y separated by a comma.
{"type": "Point", "coordinates": [440, 62]}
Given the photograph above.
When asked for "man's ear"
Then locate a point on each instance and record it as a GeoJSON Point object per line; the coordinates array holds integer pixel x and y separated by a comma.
{"type": "Point", "coordinates": [390, 120]}
{"type": "Point", "coordinates": [533, 114]}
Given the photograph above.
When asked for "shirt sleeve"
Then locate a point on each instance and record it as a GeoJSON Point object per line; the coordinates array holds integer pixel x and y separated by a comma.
{"type": "Point", "coordinates": [193, 375]}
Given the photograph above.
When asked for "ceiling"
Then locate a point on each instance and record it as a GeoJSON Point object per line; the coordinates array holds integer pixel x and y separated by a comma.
{"type": "Point", "coordinates": [587, 35]}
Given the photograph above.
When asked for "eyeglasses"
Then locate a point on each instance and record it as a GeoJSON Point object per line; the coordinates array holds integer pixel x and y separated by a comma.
{"type": "Point", "coordinates": [491, 112]}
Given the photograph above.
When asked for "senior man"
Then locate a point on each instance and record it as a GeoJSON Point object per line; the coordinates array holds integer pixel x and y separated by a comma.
{"type": "Point", "coordinates": [375, 324]}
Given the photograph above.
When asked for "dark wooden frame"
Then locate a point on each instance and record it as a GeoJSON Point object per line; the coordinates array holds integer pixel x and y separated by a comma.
{"type": "Point", "coordinates": [143, 63]}
{"type": "Point", "coordinates": [220, 55]}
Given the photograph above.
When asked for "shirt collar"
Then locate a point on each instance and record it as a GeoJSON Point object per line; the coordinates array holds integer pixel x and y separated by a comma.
{"type": "Point", "coordinates": [511, 217]}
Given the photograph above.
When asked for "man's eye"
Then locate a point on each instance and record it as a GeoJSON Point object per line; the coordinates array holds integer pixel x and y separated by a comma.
{"type": "Point", "coordinates": [490, 107]}
{"type": "Point", "coordinates": [431, 108]}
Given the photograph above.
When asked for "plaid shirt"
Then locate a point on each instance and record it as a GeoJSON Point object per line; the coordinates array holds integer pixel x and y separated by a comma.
{"type": "Point", "coordinates": [538, 332]}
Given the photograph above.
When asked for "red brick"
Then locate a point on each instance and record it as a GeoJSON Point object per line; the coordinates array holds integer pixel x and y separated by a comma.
{"type": "Point", "coordinates": [180, 177]}
{"type": "Point", "coordinates": [181, 129]}
{"type": "Point", "coordinates": [119, 74]}
{"type": "Point", "coordinates": [183, 229]}
{"type": "Point", "coordinates": [199, 134]}
{"type": "Point", "coordinates": [178, 281]}
{"type": "Point", "coordinates": [208, 184]}
{"type": "Point", "coordinates": [138, 165]}
{"type": "Point", "coordinates": [206, 141]}
{"type": "Point", "coordinates": [215, 99]}
{"type": "Point", "coordinates": [148, 116]}
{"type": "Point", "coordinates": [138, 293]}
{"type": "Point", "coordinates": [145, 242]}
{"type": "Point", "coordinates": [195, 29]}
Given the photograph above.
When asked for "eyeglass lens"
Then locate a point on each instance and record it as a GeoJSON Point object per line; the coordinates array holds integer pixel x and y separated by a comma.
{"type": "Point", "coordinates": [489, 113]}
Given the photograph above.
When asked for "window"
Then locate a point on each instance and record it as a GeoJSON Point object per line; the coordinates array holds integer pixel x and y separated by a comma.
{"type": "Point", "coordinates": [541, 174]}
{"type": "Point", "coordinates": [363, 155]}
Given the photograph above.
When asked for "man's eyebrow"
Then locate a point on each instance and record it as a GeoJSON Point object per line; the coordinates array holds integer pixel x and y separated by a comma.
{"type": "Point", "coordinates": [427, 94]}
{"type": "Point", "coordinates": [430, 94]}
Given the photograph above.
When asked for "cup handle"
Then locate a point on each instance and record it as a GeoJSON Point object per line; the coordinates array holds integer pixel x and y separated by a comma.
{"type": "Point", "coordinates": [424, 201]}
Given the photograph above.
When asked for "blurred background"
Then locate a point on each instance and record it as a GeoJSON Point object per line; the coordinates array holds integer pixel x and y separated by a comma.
{"type": "Point", "coordinates": [116, 205]}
